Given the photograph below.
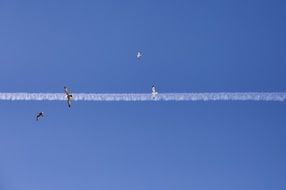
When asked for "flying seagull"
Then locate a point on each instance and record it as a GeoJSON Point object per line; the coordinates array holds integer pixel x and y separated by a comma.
{"type": "Point", "coordinates": [154, 92]}
{"type": "Point", "coordinates": [139, 55]}
{"type": "Point", "coordinates": [40, 114]}
{"type": "Point", "coordinates": [68, 96]}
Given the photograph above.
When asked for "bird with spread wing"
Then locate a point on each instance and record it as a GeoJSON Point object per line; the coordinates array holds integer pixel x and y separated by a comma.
{"type": "Point", "coordinates": [40, 114]}
{"type": "Point", "coordinates": [68, 96]}
{"type": "Point", "coordinates": [154, 92]}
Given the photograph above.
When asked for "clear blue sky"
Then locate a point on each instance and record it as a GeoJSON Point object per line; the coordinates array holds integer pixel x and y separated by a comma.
{"type": "Point", "coordinates": [188, 46]}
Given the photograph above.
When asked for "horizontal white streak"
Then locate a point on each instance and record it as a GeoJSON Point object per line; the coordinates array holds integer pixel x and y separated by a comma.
{"type": "Point", "coordinates": [213, 96]}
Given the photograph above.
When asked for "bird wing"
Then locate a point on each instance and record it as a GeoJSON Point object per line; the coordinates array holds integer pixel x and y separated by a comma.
{"type": "Point", "coordinates": [66, 90]}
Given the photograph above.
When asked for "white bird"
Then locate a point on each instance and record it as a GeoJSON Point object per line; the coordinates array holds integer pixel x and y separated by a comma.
{"type": "Point", "coordinates": [139, 55]}
{"type": "Point", "coordinates": [154, 93]}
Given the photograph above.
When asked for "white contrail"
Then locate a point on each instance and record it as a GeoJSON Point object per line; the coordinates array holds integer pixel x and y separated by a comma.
{"type": "Point", "coordinates": [212, 96]}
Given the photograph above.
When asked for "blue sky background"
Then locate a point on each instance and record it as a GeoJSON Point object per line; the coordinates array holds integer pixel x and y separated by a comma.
{"type": "Point", "coordinates": [188, 46]}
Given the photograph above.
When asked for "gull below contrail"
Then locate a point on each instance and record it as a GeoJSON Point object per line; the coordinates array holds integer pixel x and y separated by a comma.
{"type": "Point", "coordinates": [206, 96]}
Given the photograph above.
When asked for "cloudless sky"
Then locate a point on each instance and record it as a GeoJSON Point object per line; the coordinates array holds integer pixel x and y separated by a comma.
{"type": "Point", "coordinates": [188, 46]}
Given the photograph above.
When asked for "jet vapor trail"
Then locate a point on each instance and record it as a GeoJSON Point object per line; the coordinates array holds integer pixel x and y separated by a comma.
{"type": "Point", "coordinates": [212, 96]}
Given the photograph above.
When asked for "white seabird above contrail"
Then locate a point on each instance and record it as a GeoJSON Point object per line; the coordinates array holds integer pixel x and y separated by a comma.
{"type": "Point", "coordinates": [208, 96]}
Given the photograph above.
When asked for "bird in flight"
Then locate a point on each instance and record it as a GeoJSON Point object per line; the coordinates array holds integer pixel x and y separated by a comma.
{"type": "Point", "coordinates": [68, 96]}
{"type": "Point", "coordinates": [154, 92]}
{"type": "Point", "coordinates": [139, 55]}
{"type": "Point", "coordinates": [40, 114]}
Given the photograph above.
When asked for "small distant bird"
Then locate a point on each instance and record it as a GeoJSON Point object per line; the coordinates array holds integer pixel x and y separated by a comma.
{"type": "Point", "coordinates": [139, 55]}
{"type": "Point", "coordinates": [40, 114]}
{"type": "Point", "coordinates": [68, 96]}
{"type": "Point", "coordinates": [154, 92]}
